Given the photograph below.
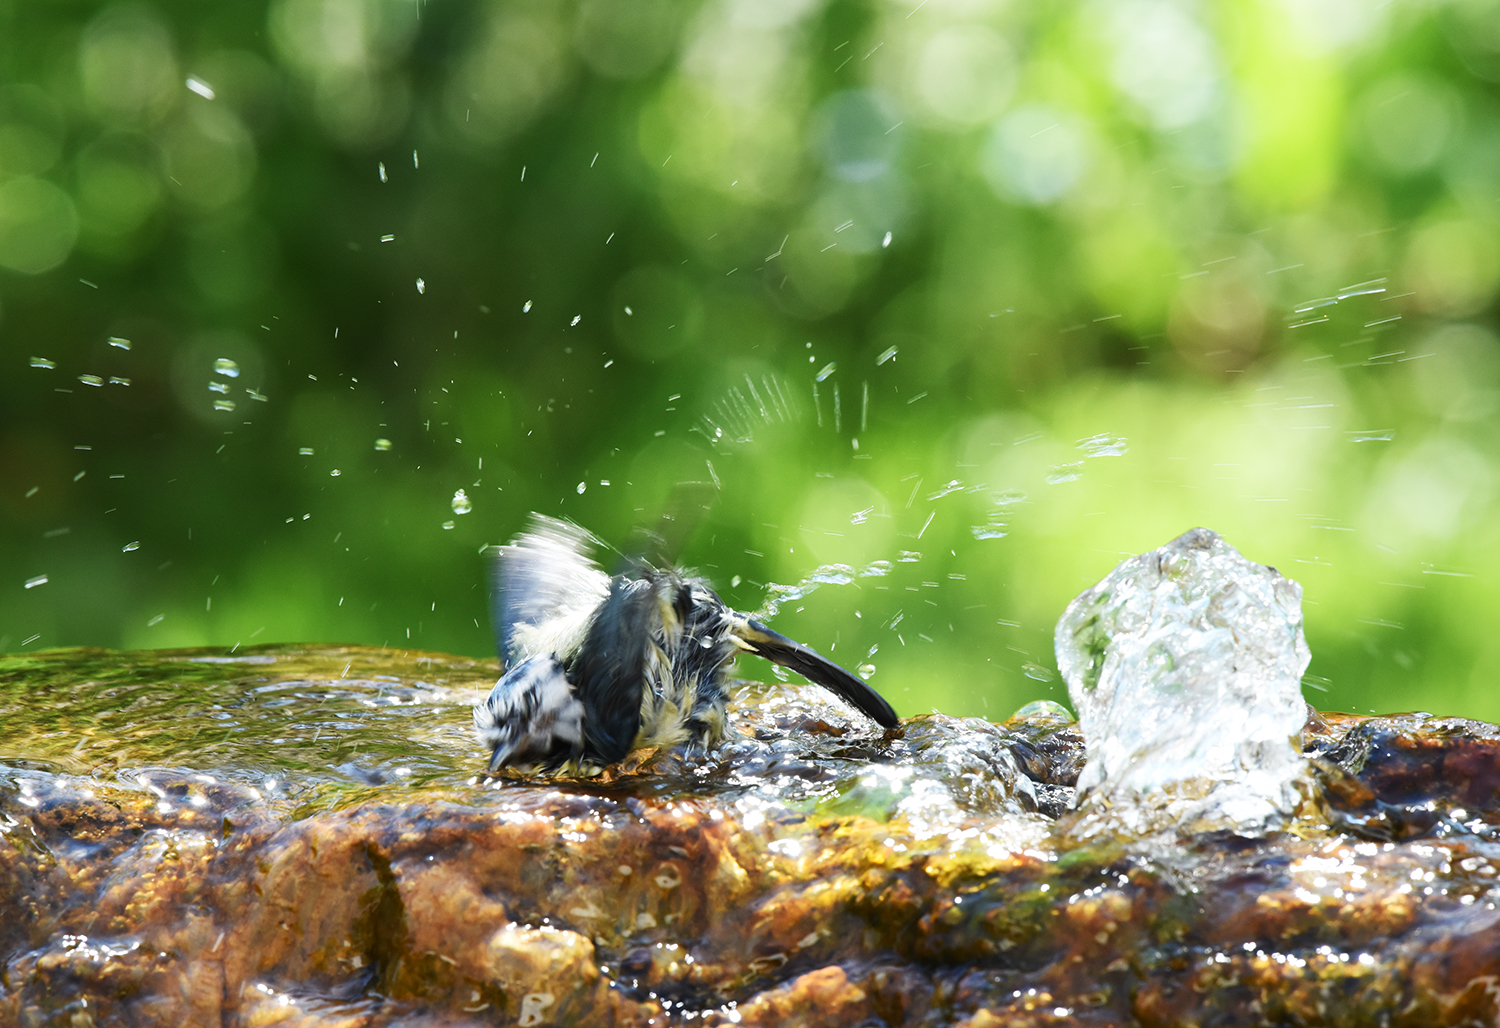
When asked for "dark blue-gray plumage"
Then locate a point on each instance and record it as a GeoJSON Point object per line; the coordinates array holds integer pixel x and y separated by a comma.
{"type": "Point", "coordinates": [599, 666]}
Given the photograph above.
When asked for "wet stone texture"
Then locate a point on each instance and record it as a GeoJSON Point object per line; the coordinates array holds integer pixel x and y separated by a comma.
{"type": "Point", "coordinates": [298, 837]}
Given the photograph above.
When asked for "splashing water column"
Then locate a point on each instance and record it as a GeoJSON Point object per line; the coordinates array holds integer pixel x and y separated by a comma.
{"type": "Point", "coordinates": [1185, 666]}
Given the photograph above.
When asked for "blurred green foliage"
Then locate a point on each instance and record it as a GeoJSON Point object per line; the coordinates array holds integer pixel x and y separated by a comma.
{"type": "Point", "coordinates": [972, 297]}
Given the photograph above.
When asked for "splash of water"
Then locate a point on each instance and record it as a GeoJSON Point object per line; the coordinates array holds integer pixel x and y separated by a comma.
{"type": "Point", "coordinates": [1184, 665]}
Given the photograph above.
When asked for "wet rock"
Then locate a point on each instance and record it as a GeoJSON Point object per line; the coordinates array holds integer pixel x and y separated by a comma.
{"type": "Point", "coordinates": [327, 856]}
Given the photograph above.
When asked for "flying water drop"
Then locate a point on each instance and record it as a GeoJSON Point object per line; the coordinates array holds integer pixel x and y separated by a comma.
{"type": "Point", "coordinates": [1105, 445]}
{"type": "Point", "coordinates": [462, 504]}
{"type": "Point", "coordinates": [226, 367]}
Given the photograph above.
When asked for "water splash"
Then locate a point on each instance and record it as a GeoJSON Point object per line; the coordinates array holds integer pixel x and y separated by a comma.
{"type": "Point", "coordinates": [825, 574]}
{"type": "Point", "coordinates": [741, 413]}
{"type": "Point", "coordinates": [1184, 665]}
{"type": "Point", "coordinates": [1105, 445]}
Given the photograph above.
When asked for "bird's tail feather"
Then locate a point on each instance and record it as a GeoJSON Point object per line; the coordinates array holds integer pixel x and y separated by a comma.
{"type": "Point", "coordinates": [816, 668]}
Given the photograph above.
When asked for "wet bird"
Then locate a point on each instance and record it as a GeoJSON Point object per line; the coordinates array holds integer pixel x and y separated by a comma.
{"type": "Point", "coordinates": [598, 666]}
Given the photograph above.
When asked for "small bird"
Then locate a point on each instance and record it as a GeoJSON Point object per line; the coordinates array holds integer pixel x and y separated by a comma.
{"type": "Point", "coordinates": [599, 666]}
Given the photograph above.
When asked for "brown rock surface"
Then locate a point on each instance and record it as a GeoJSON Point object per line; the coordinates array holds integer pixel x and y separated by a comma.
{"type": "Point", "coordinates": [299, 837]}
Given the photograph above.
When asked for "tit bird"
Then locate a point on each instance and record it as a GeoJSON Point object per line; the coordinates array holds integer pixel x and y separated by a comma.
{"type": "Point", "coordinates": [598, 666]}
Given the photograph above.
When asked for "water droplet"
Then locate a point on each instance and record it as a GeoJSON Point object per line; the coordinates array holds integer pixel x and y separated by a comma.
{"type": "Point", "coordinates": [123, 344]}
{"type": "Point", "coordinates": [306, 451]}
{"type": "Point", "coordinates": [382, 172]}
{"type": "Point", "coordinates": [447, 525]}
{"type": "Point", "coordinates": [200, 87]}
{"type": "Point", "coordinates": [387, 239]}
{"type": "Point", "coordinates": [734, 583]}
{"type": "Point", "coordinates": [990, 531]}
{"type": "Point", "coordinates": [223, 405]}
{"type": "Point", "coordinates": [91, 380]}
{"type": "Point", "coordinates": [576, 319]}
{"type": "Point", "coordinates": [421, 286]}
{"type": "Point", "coordinates": [42, 362]}
{"type": "Point", "coordinates": [526, 307]}
{"type": "Point", "coordinates": [1065, 473]}
{"type": "Point", "coordinates": [226, 367]}
{"type": "Point", "coordinates": [32, 583]}
{"type": "Point", "coordinates": [131, 547]}
{"type": "Point", "coordinates": [886, 355]}
{"type": "Point", "coordinates": [256, 396]}
{"type": "Point", "coordinates": [886, 241]}
{"type": "Point", "coordinates": [156, 620]}
{"type": "Point", "coordinates": [116, 380]}
{"type": "Point", "coordinates": [382, 445]}
{"type": "Point", "coordinates": [1045, 708]}
{"type": "Point", "coordinates": [414, 162]}
{"type": "Point", "coordinates": [461, 504]}
{"type": "Point", "coordinates": [581, 487]}
{"type": "Point", "coordinates": [867, 670]}
{"type": "Point", "coordinates": [629, 313]}
{"type": "Point", "coordinates": [218, 387]}
{"type": "Point", "coordinates": [335, 473]}
{"type": "Point", "coordinates": [1105, 445]}
{"type": "Point", "coordinates": [828, 369]}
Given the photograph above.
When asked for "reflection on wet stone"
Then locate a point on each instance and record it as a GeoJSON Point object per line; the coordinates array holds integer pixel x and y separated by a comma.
{"type": "Point", "coordinates": [298, 837]}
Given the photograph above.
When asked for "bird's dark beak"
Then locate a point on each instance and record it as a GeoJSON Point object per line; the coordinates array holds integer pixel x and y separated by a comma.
{"type": "Point", "coordinates": [777, 648]}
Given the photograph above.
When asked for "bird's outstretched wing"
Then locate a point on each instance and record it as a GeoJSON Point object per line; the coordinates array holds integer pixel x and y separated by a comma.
{"type": "Point", "coordinates": [544, 588]}
{"type": "Point", "coordinates": [816, 668]}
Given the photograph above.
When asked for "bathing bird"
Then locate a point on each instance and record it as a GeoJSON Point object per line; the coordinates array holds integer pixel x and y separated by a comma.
{"type": "Point", "coordinates": [597, 666]}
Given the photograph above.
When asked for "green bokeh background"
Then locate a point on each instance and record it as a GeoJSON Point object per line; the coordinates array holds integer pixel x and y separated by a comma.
{"type": "Point", "coordinates": [997, 293]}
